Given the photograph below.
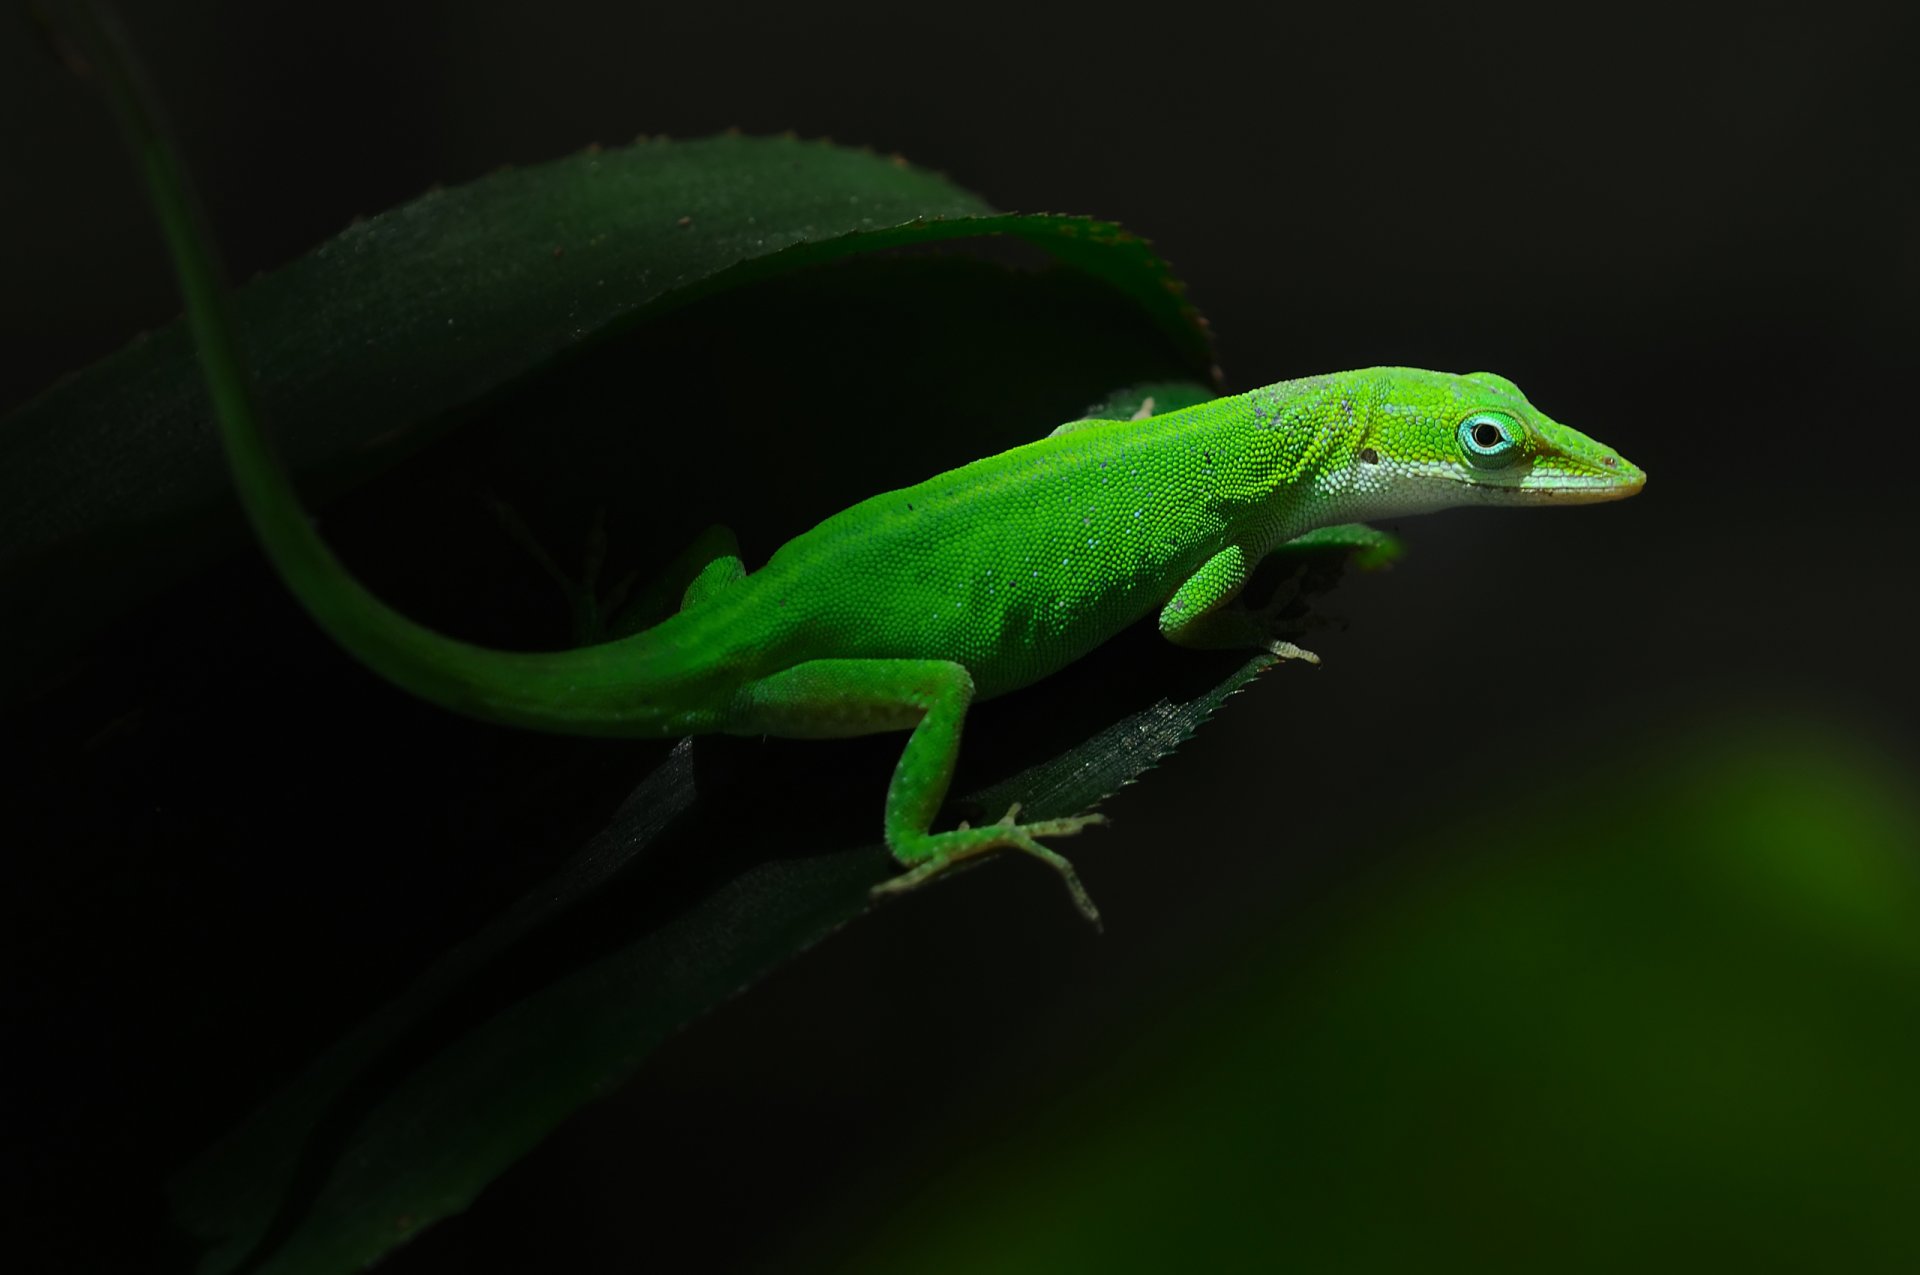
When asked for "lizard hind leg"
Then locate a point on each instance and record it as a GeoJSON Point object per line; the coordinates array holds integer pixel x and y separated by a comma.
{"type": "Point", "coordinates": [837, 698]}
{"type": "Point", "coordinates": [709, 564]}
{"type": "Point", "coordinates": [586, 602]}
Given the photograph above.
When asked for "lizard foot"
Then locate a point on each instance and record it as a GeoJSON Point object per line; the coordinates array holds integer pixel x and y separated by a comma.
{"type": "Point", "coordinates": [937, 852]}
{"type": "Point", "coordinates": [1285, 612]}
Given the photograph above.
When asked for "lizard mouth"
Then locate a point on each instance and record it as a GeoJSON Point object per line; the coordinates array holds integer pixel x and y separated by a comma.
{"type": "Point", "coordinates": [1537, 485]}
{"type": "Point", "coordinates": [1586, 489]}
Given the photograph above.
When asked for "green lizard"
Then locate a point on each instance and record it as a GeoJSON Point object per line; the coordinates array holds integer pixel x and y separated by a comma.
{"type": "Point", "coordinates": [900, 612]}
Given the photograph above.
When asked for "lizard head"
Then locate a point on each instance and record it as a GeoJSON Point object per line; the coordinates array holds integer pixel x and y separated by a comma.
{"type": "Point", "coordinates": [1437, 440]}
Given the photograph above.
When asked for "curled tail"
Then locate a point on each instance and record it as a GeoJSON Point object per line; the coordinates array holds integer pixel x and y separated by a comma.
{"type": "Point", "coordinates": [599, 690]}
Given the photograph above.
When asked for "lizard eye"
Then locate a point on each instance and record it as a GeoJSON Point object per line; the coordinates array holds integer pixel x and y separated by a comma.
{"type": "Point", "coordinates": [1487, 438]}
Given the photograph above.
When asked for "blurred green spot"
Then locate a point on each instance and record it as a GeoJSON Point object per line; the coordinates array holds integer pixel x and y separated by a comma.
{"type": "Point", "coordinates": [1663, 1017]}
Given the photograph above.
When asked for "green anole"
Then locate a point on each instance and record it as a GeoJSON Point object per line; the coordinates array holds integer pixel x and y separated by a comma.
{"type": "Point", "coordinates": [901, 611]}
{"type": "Point", "coordinates": [898, 613]}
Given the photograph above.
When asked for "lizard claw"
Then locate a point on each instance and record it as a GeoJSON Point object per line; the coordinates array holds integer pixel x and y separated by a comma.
{"type": "Point", "coordinates": [1288, 651]}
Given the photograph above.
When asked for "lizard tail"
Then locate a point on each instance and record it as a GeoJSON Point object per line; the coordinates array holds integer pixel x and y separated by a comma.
{"type": "Point", "coordinates": [602, 689]}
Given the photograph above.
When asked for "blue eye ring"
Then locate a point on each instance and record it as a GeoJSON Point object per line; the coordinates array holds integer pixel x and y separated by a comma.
{"type": "Point", "coordinates": [1489, 439]}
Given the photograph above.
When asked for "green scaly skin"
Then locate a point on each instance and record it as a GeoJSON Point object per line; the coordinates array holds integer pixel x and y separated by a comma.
{"type": "Point", "coordinates": [898, 613]}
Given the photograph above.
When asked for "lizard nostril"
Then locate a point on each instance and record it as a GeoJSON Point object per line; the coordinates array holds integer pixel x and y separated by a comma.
{"type": "Point", "coordinates": [1609, 461]}
{"type": "Point", "coordinates": [1369, 456]}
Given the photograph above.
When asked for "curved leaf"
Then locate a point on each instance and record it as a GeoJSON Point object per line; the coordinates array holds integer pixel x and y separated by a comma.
{"type": "Point", "coordinates": [405, 1120]}
{"type": "Point", "coordinates": [672, 908]}
{"type": "Point", "coordinates": [378, 339]}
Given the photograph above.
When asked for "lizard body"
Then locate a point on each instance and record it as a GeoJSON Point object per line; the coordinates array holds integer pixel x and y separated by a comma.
{"type": "Point", "coordinates": [898, 612]}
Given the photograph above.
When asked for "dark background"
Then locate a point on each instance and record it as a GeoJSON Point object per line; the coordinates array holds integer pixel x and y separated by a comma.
{"type": "Point", "coordinates": [1694, 236]}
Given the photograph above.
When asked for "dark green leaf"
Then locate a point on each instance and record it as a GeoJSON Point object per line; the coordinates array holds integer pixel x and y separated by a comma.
{"type": "Point", "coordinates": [380, 338]}
{"type": "Point", "coordinates": [407, 1118]}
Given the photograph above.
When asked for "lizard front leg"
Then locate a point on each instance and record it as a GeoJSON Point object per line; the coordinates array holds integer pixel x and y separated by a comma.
{"type": "Point", "coordinates": [1203, 613]}
{"type": "Point", "coordinates": [825, 699]}
{"type": "Point", "coordinates": [1367, 548]}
